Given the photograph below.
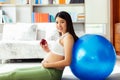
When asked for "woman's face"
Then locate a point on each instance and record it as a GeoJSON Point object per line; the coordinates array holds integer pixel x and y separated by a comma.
{"type": "Point", "coordinates": [61, 25]}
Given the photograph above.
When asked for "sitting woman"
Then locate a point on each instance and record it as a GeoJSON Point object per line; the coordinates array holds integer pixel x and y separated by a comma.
{"type": "Point", "coordinates": [53, 65]}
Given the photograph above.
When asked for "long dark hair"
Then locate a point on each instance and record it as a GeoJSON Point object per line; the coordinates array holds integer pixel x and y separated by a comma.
{"type": "Point", "coordinates": [66, 16]}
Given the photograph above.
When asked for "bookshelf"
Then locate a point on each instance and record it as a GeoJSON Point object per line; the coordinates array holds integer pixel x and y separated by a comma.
{"type": "Point", "coordinates": [73, 9]}
{"type": "Point", "coordinates": [17, 10]}
{"type": "Point", "coordinates": [84, 15]}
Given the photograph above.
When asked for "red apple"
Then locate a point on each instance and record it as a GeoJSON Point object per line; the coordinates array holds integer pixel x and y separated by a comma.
{"type": "Point", "coordinates": [43, 42]}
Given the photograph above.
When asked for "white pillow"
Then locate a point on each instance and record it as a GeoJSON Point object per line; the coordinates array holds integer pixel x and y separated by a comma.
{"type": "Point", "coordinates": [19, 31]}
{"type": "Point", "coordinates": [47, 31]}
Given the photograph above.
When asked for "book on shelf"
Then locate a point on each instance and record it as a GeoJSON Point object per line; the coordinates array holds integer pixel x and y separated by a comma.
{"type": "Point", "coordinates": [51, 18]}
{"type": "Point", "coordinates": [62, 1]}
{"type": "Point", "coordinates": [19, 2]}
{"type": "Point", "coordinates": [37, 1]}
{"type": "Point", "coordinates": [43, 17]}
{"type": "Point", "coordinates": [33, 17]}
{"type": "Point", "coordinates": [36, 17]}
{"type": "Point", "coordinates": [81, 17]}
{"type": "Point", "coordinates": [6, 19]}
{"type": "Point", "coordinates": [43, 1]}
{"type": "Point", "coordinates": [40, 17]}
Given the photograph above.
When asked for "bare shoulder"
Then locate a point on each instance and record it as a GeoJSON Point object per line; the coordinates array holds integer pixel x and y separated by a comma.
{"type": "Point", "coordinates": [68, 41]}
{"type": "Point", "coordinates": [68, 37]}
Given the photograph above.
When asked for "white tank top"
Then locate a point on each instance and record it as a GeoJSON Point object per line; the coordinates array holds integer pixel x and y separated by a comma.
{"type": "Point", "coordinates": [58, 48]}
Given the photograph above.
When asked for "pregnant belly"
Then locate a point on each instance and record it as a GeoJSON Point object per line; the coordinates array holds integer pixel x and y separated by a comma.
{"type": "Point", "coordinates": [52, 57]}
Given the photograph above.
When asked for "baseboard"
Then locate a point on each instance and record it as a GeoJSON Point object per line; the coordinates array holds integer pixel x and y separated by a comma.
{"type": "Point", "coordinates": [26, 60]}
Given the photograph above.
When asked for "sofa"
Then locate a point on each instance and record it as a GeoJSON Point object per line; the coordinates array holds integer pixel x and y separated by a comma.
{"type": "Point", "coordinates": [21, 40]}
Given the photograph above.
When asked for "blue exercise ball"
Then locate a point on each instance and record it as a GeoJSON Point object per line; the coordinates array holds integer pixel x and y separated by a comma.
{"type": "Point", "coordinates": [93, 57]}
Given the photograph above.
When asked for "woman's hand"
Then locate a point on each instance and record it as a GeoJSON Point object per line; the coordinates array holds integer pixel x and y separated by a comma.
{"type": "Point", "coordinates": [44, 63]}
{"type": "Point", "coordinates": [44, 45]}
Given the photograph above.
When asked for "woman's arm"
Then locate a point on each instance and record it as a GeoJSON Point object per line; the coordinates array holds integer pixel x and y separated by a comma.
{"type": "Point", "coordinates": [68, 42]}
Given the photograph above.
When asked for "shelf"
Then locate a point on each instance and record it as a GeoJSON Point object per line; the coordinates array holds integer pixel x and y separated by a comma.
{"type": "Point", "coordinates": [7, 5]}
{"type": "Point", "coordinates": [15, 5]}
{"type": "Point", "coordinates": [23, 5]}
{"type": "Point", "coordinates": [78, 22]}
{"type": "Point", "coordinates": [57, 5]}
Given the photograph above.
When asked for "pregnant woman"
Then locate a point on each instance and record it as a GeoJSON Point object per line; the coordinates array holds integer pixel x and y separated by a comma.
{"type": "Point", "coordinates": [57, 59]}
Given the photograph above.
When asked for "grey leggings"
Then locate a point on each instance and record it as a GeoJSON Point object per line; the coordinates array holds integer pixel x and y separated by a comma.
{"type": "Point", "coordinates": [35, 73]}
